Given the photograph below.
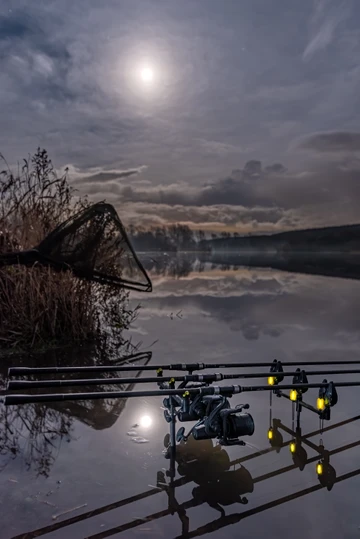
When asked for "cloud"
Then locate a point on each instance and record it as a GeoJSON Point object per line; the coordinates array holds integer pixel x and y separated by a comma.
{"type": "Point", "coordinates": [221, 148]}
{"type": "Point", "coordinates": [276, 168]}
{"type": "Point", "coordinates": [242, 189]}
{"type": "Point", "coordinates": [99, 177]}
{"type": "Point", "coordinates": [327, 17]}
{"type": "Point", "coordinates": [16, 27]}
{"type": "Point", "coordinates": [43, 64]}
{"type": "Point", "coordinates": [207, 217]}
{"type": "Point", "coordinates": [336, 141]}
{"type": "Point", "coordinates": [292, 92]}
{"type": "Point", "coordinates": [67, 85]}
{"type": "Point", "coordinates": [110, 191]}
{"type": "Point", "coordinates": [322, 38]}
{"type": "Point", "coordinates": [253, 199]}
{"type": "Point", "coordinates": [272, 187]}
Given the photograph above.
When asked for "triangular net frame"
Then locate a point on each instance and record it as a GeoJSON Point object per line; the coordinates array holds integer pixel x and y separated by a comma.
{"type": "Point", "coordinates": [95, 246]}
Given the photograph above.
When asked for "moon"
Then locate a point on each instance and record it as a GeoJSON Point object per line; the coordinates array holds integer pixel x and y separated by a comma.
{"type": "Point", "coordinates": [145, 421]}
{"type": "Point", "coordinates": [147, 74]}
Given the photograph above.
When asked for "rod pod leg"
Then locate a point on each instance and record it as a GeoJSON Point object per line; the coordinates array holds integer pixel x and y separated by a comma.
{"type": "Point", "coordinates": [172, 437]}
{"type": "Point", "coordinates": [171, 448]}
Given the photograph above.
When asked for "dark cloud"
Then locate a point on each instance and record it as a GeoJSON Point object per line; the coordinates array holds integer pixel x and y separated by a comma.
{"type": "Point", "coordinates": [276, 168]}
{"type": "Point", "coordinates": [15, 27]}
{"type": "Point", "coordinates": [252, 168]}
{"type": "Point", "coordinates": [269, 200]}
{"type": "Point", "coordinates": [337, 141]}
{"type": "Point", "coordinates": [37, 60]}
{"type": "Point", "coordinates": [22, 33]}
{"type": "Point", "coordinates": [273, 187]}
{"type": "Point", "coordinates": [243, 190]}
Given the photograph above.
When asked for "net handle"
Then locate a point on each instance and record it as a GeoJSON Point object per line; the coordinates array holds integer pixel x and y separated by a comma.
{"type": "Point", "coordinates": [32, 256]}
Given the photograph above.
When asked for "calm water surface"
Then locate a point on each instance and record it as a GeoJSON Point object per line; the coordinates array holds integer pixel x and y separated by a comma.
{"type": "Point", "coordinates": [58, 458]}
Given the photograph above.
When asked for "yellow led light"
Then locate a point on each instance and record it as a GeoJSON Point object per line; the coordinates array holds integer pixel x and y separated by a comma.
{"type": "Point", "coordinates": [293, 395]}
{"type": "Point", "coordinates": [271, 381]}
{"type": "Point", "coordinates": [292, 447]}
{"type": "Point", "coordinates": [320, 403]}
{"type": "Point", "coordinates": [186, 394]}
{"type": "Point", "coordinates": [319, 468]}
{"type": "Point", "coordinates": [172, 381]}
{"type": "Point", "coordinates": [270, 434]}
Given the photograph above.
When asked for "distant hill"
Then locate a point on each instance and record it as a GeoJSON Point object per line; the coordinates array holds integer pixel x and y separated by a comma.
{"type": "Point", "coordinates": [336, 238]}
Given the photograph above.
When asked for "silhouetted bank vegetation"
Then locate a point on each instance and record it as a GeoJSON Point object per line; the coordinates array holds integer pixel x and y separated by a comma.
{"type": "Point", "coordinates": [172, 238]}
{"type": "Point", "coordinates": [38, 306]}
{"type": "Point", "coordinates": [181, 238]}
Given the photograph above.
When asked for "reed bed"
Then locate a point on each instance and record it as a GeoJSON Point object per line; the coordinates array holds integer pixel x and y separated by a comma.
{"type": "Point", "coordinates": [39, 307]}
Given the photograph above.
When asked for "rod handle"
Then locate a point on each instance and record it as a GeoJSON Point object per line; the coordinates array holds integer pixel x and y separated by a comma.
{"type": "Point", "coordinates": [10, 400]}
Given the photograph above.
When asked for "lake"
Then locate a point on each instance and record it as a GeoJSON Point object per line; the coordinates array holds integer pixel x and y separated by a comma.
{"type": "Point", "coordinates": [97, 469]}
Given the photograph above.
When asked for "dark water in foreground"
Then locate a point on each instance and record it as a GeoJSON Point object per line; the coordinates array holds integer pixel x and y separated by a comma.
{"type": "Point", "coordinates": [75, 455]}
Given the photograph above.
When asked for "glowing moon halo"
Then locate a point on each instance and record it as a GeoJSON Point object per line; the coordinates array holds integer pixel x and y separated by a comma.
{"type": "Point", "coordinates": [145, 421]}
{"type": "Point", "coordinates": [147, 74]}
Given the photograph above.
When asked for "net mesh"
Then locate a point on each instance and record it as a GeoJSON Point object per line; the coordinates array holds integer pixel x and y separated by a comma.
{"type": "Point", "coordinates": [95, 245]}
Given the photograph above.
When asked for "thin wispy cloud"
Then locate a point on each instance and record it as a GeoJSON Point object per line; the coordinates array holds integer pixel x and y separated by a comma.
{"type": "Point", "coordinates": [78, 176]}
{"type": "Point", "coordinates": [328, 15]}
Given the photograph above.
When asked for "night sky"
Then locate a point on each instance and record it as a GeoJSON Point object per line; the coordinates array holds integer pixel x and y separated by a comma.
{"type": "Point", "coordinates": [236, 114]}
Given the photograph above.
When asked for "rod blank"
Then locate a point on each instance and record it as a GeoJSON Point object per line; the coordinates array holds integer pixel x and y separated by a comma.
{"type": "Point", "coordinates": [212, 390]}
{"type": "Point", "coordinates": [208, 378]}
{"type": "Point", "coordinates": [190, 367]}
{"type": "Point", "coordinates": [15, 371]}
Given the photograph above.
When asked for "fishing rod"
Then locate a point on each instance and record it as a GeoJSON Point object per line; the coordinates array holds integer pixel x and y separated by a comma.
{"type": "Point", "coordinates": [273, 378]}
{"type": "Point", "coordinates": [190, 367]}
{"type": "Point", "coordinates": [227, 391]}
{"type": "Point", "coordinates": [131, 358]}
{"type": "Point", "coordinates": [206, 405]}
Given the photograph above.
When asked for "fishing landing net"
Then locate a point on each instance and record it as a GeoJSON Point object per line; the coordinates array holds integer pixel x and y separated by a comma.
{"type": "Point", "coordinates": [93, 244]}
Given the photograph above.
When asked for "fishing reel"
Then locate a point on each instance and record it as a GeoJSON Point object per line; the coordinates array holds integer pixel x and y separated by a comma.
{"type": "Point", "coordinates": [225, 424]}
{"type": "Point", "coordinates": [214, 415]}
{"type": "Point", "coordinates": [190, 407]}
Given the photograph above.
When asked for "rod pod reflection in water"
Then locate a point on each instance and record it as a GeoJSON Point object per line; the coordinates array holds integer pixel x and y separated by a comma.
{"type": "Point", "coordinates": [191, 466]}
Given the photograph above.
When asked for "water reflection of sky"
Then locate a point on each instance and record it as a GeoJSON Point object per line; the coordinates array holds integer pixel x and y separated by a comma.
{"type": "Point", "coordinates": [249, 315]}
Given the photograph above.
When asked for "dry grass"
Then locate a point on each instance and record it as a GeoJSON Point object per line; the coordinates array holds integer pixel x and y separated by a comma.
{"type": "Point", "coordinates": [39, 307]}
